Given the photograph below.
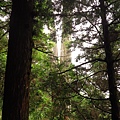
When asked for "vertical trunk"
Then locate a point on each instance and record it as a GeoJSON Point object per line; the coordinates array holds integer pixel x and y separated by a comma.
{"type": "Point", "coordinates": [16, 89]}
{"type": "Point", "coordinates": [110, 65]}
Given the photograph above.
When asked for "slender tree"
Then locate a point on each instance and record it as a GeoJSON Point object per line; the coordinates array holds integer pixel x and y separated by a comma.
{"type": "Point", "coordinates": [17, 76]}
{"type": "Point", "coordinates": [110, 64]}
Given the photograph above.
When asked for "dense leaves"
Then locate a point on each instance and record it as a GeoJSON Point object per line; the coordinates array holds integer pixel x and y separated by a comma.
{"type": "Point", "coordinates": [59, 89]}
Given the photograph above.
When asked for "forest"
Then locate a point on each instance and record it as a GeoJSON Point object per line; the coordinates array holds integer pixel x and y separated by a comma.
{"type": "Point", "coordinates": [59, 60]}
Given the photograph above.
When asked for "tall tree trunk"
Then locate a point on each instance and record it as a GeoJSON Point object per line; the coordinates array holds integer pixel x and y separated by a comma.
{"type": "Point", "coordinates": [16, 86]}
{"type": "Point", "coordinates": [110, 65]}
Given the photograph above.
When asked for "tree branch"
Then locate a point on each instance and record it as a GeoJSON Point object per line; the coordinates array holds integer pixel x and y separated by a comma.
{"type": "Point", "coordinates": [42, 50]}
{"type": "Point", "coordinates": [92, 74]}
{"type": "Point", "coordinates": [77, 92]}
{"type": "Point", "coordinates": [4, 34]}
{"type": "Point", "coordinates": [116, 59]}
{"type": "Point", "coordinates": [102, 109]}
{"type": "Point", "coordinates": [95, 60]}
{"type": "Point", "coordinates": [114, 20]}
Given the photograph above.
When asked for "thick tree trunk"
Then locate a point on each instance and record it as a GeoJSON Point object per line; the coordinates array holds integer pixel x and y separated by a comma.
{"type": "Point", "coordinates": [16, 89]}
{"type": "Point", "coordinates": [110, 65]}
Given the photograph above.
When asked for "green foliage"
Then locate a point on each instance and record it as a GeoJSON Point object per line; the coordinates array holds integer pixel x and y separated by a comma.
{"type": "Point", "coordinates": [75, 90]}
{"type": "Point", "coordinates": [5, 7]}
{"type": "Point", "coordinates": [59, 89]}
{"type": "Point", "coordinates": [3, 56]}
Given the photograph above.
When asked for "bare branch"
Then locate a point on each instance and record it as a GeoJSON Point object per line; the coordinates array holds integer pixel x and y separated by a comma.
{"type": "Point", "coordinates": [113, 22]}
{"type": "Point", "coordinates": [42, 50]}
{"type": "Point", "coordinates": [4, 34]}
{"type": "Point", "coordinates": [112, 3]}
{"type": "Point", "coordinates": [93, 74]}
{"type": "Point", "coordinates": [77, 92]}
{"type": "Point", "coordinates": [101, 109]}
{"type": "Point", "coordinates": [95, 60]}
{"type": "Point", "coordinates": [116, 59]}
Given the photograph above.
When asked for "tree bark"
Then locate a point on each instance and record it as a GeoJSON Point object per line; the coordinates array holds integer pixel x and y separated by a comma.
{"type": "Point", "coordinates": [17, 76]}
{"type": "Point", "coordinates": [110, 64]}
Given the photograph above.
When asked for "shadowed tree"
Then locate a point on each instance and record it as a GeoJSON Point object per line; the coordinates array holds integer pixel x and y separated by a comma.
{"type": "Point", "coordinates": [110, 64]}
{"type": "Point", "coordinates": [17, 75]}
